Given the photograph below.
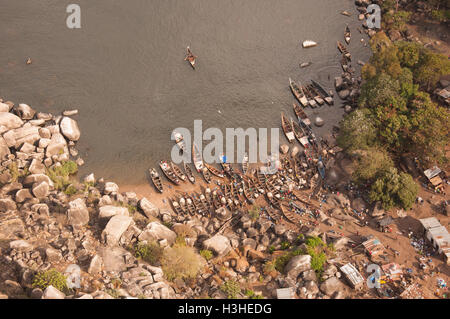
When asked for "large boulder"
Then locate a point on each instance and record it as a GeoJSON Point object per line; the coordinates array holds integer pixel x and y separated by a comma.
{"type": "Point", "coordinates": [52, 293]}
{"type": "Point", "coordinates": [7, 204]}
{"type": "Point", "coordinates": [219, 244]}
{"type": "Point", "coordinates": [108, 211]}
{"type": "Point", "coordinates": [25, 111]}
{"type": "Point", "coordinates": [57, 145]}
{"type": "Point", "coordinates": [4, 149]}
{"type": "Point", "coordinates": [37, 178]}
{"type": "Point", "coordinates": [69, 128]}
{"type": "Point", "coordinates": [40, 190]}
{"type": "Point", "coordinates": [330, 286]}
{"type": "Point", "coordinates": [149, 209]}
{"type": "Point", "coordinates": [156, 231]}
{"type": "Point", "coordinates": [4, 107]}
{"type": "Point", "coordinates": [297, 265]}
{"type": "Point", "coordinates": [116, 226]}
{"type": "Point", "coordinates": [111, 188]}
{"type": "Point", "coordinates": [77, 214]}
{"type": "Point", "coordinates": [377, 210]}
{"type": "Point", "coordinates": [25, 134]}
{"type": "Point", "coordinates": [96, 265]}
{"type": "Point", "coordinates": [10, 120]}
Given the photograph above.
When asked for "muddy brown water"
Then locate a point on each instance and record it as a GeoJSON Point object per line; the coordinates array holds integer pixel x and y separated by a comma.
{"type": "Point", "coordinates": [124, 69]}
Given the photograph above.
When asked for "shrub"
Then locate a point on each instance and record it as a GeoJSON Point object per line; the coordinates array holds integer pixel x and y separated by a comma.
{"type": "Point", "coordinates": [207, 254]}
{"type": "Point", "coordinates": [254, 212]}
{"type": "Point", "coordinates": [180, 262]}
{"type": "Point", "coordinates": [51, 277]}
{"type": "Point", "coordinates": [151, 252]}
{"type": "Point", "coordinates": [252, 295]}
{"type": "Point", "coordinates": [232, 288]}
{"type": "Point", "coordinates": [70, 190]}
{"type": "Point", "coordinates": [60, 174]}
{"type": "Point", "coordinates": [285, 245]}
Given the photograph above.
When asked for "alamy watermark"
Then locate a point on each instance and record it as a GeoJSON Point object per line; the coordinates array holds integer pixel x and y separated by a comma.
{"type": "Point", "coordinates": [73, 21]}
{"type": "Point", "coordinates": [374, 18]}
{"type": "Point", "coordinates": [235, 138]}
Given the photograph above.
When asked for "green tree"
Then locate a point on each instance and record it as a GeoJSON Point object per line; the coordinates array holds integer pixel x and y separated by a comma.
{"type": "Point", "coordinates": [357, 131]}
{"type": "Point", "coordinates": [430, 68]}
{"type": "Point", "coordinates": [379, 90]}
{"type": "Point", "coordinates": [370, 163]}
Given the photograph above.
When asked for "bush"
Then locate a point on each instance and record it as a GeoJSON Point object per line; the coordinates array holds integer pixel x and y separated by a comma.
{"type": "Point", "coordinates": [370, 163]}
{"type": "Point", "coordinates": [51, 277]}
{"type": "Point", "coordinates": [207, 254]}
{"type": "Point", "coordinates": [70, 190]}
{"type": "Point", "coordinates": [151, 252]}
{"type": "Point", "coordinates": [180, 262]}
{"type": "Point", "coordinates": [252, 295]}
{"type": "Point", "coordinates": [393, 189]}
{"type": "Point", "coordinates": [60, 174]}
{"type": "Point", "coordinates": [254, 212]}
{"type": "Point", "coordinates": [232, 288]}
{"type": "Point", "coordinates": [357, 131]}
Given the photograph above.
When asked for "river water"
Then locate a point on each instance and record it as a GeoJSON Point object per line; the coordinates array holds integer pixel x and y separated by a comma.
{"type": "Point", "coordinates": [124, 69]}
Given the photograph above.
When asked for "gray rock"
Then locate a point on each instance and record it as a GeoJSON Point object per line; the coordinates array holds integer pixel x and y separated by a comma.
{"type": "Point", "coordinates": [25, 111]}
{"type": "Point", "coordinates": [319, 121]}
{"type": "Point", "coordinates": [7, 204]}
{"type": "Point", "coordinates": [69, 129]}
{"type": "Point", "coordinates": [77, 214]}
{"type": "Point", "coordinates": [52, 293]}
{"type": "Point", "coordinates": [41, 190]}
{"type": "Point", "coordinates": [311, 287]}
{"type": "Point", "coordinates": [347, 109]}
{"type": "Point", "coordinates": [149, 209]}
{"type": "Point", "coordinates": [96, 265]}
{"type": "Point", "coordinates": [22, 195]}
{"type": "Point", "coordinates": [297, 265]}
{"type": "Point", "coordinates": [25, 134]}
{"type": "Point", "coordinates": [4, 107]}
{"type": "Point", "coordinates": [52, 255]}
{"type": "Point", "coordinates": [57, 146]}
{"type": "Point", "coordinates": [344, 94]}
{"type": "Point", "coordinates": [108, 211]}
{"type": "Point", "coordinates": [309, 275]}
{"type": "Point", "coordinates": [10, 120]}
{"type": "Point", "coordinates": [21, 245]}
{"type": "Point", "coordinates": [156, 231]}
{"type": "Point", "coordinates": [116, 226]}
{"type": "Point", "coordinates": [377, 211]}
{"type": "Point", "coordinates": [330, 286]}
{"type": "Point", "coordinates": [219, 244]}
{"type": "Point", "coordinates": [4, 149]}
{"type": "Point", "coordinates": [284, 149]}
{"type": "Point", "coordinates": [37, 178]}
{"type": "Point", "coordinates": [338, 83]}
{"type": "Point", "coordinates": [111, 188]}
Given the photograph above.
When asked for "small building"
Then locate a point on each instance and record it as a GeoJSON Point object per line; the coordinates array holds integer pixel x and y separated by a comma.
{"type": "Point", "coordinates": [373, 246]}
{"type": "Point", "coordinates": [285, 293]}
{"type": "Point", "coordinates": [384, 223]}
{"type": "Point", "coordinates": [353, 276]}
{"type": "Point", "coordinates": [437, 235]}
{"type": "Point", "coordinates": [392, 272]}
{"type": "Point", "coordinates": [433, 177]}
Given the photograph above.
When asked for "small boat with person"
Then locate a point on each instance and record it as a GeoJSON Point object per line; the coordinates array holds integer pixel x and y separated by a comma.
{"type": "Point", "coordinates": [321, 167]}
{"type": "Point", "coordinates": [325, 95]}
{"type": "Point", "coordinates": [168, 171]}
{"type": "Point", "coordinates": [206, 175]}
{"type": "Point", "coordinates": [179, 140]}
{"type": "Point", "coordinates": [156, 180]}
{"type": "Point", "coordinates": [287, 128]}
{"type": "Point", "coordinates": [214, 170]}
{"type": "Point", "coordinates": [343, 49]}
{"type": "Point", "coordinates": [298, 93]}
{"type": "Point", "coordinates": [297, 130]}
{"type": "Point", "coordinates": [245, 164]}
{"type": "Point", "coordinates": [347, 35]}
{"type": "Point", "coordinates": [190, 57]}
{"type": "Point", "coordinates": [188, 172]}
{"type": "Point", "coordinates": [197, 158]}
{"type": "Point", "coordinates": [178, 172]}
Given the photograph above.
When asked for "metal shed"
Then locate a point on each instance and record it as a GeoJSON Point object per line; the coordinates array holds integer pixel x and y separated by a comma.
{"type": "Point", "coordinates": [353, 276]}
{"type": "Point", "coordinates": [285, 293]}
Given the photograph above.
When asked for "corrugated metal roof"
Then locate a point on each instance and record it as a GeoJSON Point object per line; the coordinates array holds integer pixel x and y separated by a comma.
{"type": "Point", "coordinates": [352, 274]}
{"type": "Point", "coordinates": [285, 293]}
{"type": "Point", "coordinates": [430, 222]}
{"type": "Point", "coordinates": [432, 172]}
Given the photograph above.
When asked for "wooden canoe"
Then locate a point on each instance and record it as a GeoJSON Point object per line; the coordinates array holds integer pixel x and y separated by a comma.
{"type": "Point", "coordinates": [197, 158]}
{"type": "Point", "coordinates": [325, 95]}
{"type": "Point", "coordinates": [347, 35]}
{"type": "Point", "coordinates": [297, 130]}
{"type": "Point", "coordinates": [342, 48]}
{"type": "Point", "coordinates": [298, 93]}
{"type": "Point", "coordinates": [178, 172]}
{"type": "Point", "coordinates": [206, 175]}
{"type": "Point", "coordinates": [190, 57]}
{"type": "Point", "coordinates": [310, 97]}
{"type": "Point", "coordinates": [188, 172]}
{"type": "Point", "coordinates": [176, 207]}
{"type": "Point", "coordinates": [245, 163]}
{"type": "Point", "coordinates": [168, 171]}
{"type": "Point", "coordinates": [179, 140]}
{"type": "Point", "coordinates": [316, 95]}
{"type": "Point", "coordinates": [214, 170]}
{"type": "Point", "coordinates": [156, 180]}
{"type": "Point", "coordinates": [287, 128]}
